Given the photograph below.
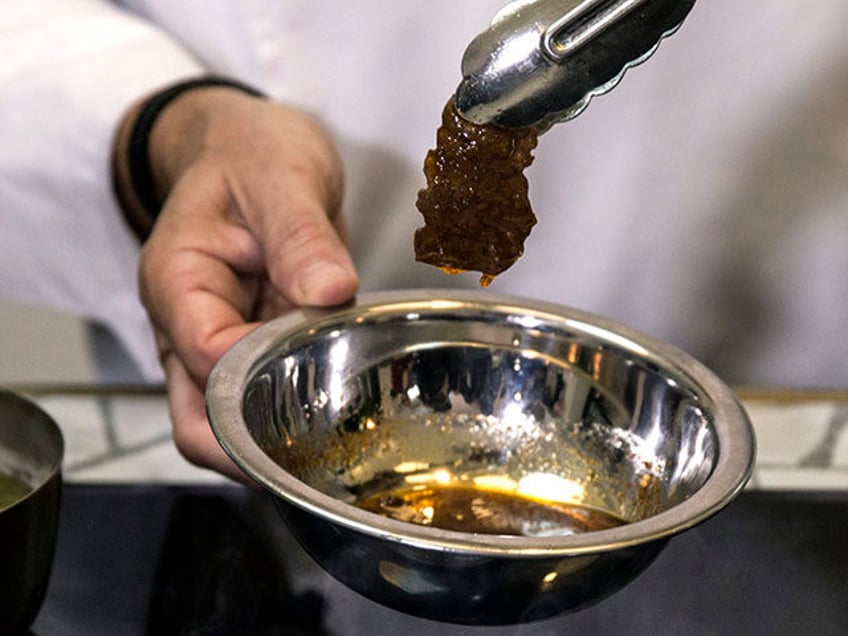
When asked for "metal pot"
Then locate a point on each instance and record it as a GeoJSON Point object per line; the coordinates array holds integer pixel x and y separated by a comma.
{"type": "Point", "coordinates": [31, 452]}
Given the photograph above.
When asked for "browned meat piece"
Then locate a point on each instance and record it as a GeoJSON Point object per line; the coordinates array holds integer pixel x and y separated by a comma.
{"type": "Point", "coordinates": [476, 210]}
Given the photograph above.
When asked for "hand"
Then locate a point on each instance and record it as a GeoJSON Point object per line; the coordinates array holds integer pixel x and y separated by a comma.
{"type": "Point", "coordinates": [250, 226]}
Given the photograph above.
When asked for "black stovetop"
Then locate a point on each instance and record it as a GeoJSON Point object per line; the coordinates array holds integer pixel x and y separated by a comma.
{"type": "Point", "coordinates": [216, 560]}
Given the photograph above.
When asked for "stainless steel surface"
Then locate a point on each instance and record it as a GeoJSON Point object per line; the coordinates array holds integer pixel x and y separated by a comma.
{"type": "Point", "coordinates": [324, 408]}
{"type": "Point", "coordinates": [542, 61]}
{"type": "Point", "coordinates": [582, 23]}
{"type": "Point", "coordinates": [31, 450]}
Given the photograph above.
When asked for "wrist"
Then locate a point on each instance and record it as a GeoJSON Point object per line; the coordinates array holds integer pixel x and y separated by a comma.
{"type": "Point", "coordinates": [160, 136]}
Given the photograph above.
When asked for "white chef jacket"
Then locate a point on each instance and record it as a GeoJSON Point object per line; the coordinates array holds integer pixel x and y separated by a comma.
{"type": "Point", "coordinates": [704, 200]}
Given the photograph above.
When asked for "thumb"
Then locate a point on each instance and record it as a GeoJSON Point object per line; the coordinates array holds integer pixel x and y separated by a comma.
{"type": "Point", "coordinates": [307, 260]}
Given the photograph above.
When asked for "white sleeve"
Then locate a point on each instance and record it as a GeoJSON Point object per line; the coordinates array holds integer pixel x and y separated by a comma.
{"type": "Point", "coordinates": [68, 71]}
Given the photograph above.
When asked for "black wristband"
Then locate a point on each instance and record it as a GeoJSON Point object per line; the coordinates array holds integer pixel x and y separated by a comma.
{"type": "Point", "coordinates": [138, 151]}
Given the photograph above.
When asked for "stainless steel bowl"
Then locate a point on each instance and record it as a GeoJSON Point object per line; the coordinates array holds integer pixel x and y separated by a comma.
{"type": "Point", "coordinates": [31, 451]}
{"type": "Point", "coordinates": [398, 390]}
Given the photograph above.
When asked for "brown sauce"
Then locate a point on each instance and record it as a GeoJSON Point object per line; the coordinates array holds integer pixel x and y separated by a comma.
{"type": "Point", "coordinates": [484, 511]}
{"type": "Point", "coordinates": [476, 209]}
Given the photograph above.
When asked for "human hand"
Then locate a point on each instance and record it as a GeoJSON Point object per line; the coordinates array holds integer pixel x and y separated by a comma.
{"type": "Point", "coordinates": [250, 226]}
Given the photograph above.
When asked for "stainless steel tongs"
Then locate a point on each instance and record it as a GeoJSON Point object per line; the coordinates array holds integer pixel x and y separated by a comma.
{"type": "Point", "coordinates": [541, 61]}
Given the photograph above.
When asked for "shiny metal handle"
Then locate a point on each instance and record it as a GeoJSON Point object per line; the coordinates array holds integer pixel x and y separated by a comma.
{"type": "Point", "coordinates": [542, 61]}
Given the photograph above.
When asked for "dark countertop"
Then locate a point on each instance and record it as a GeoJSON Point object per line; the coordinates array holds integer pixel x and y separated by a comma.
{"type": "Point", "coordinates": [215, 559]}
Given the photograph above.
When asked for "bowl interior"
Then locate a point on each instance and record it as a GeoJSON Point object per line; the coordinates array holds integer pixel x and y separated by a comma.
{"type": "Point", "coordinates": [486, 398]}
{"type": "Point", "coordinates": [31, 449]}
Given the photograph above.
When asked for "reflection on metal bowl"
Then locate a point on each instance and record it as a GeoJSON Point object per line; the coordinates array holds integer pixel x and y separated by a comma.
{"type": "Point", "coordinates": [31, 451]}
{"type": "Point", "coordinates": [413, 393]}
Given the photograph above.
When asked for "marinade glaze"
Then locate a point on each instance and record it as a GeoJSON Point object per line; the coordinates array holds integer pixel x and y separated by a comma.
{"type": "Point", "coordinates": [484, 511]}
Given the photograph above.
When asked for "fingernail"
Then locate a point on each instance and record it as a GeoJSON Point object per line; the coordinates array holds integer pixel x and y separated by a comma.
{"type": "Point", "coordinates": [326, 283]}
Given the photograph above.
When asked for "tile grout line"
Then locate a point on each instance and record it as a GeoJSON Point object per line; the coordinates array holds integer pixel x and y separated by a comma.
{"type": "Point", "coordinates": [118, 453]}
{"type": "Point", "coordinates": [822, 455]}
{"type": "Point", "coordinates": [105, 406]}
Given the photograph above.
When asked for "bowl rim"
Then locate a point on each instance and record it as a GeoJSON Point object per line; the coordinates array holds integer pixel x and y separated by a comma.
{"type": "Point", "coordinates": [231, 374]}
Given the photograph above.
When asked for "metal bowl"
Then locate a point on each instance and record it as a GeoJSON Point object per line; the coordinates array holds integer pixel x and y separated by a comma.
{"type": "Point", "coordinates": [483, 394]}
{"type": "Point", "coordinates": [31, 451]}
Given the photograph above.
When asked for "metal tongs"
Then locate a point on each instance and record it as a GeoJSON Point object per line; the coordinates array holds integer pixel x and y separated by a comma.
{"type": "Point", "coordinates": [541, 61]}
